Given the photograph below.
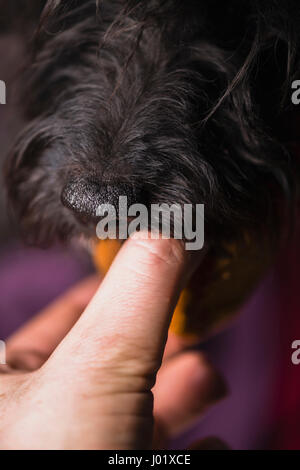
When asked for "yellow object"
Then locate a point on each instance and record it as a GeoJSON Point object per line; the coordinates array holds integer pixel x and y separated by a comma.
{"type": "Point", "coordinates": [218, 288]}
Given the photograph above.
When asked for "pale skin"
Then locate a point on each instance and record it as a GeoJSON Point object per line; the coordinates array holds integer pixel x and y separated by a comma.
{"type": "Point", "coordinates": [85, 380]}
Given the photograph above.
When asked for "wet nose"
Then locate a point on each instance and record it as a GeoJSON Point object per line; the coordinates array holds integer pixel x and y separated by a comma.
{"type": "Point", "coordinates": [84, 196]}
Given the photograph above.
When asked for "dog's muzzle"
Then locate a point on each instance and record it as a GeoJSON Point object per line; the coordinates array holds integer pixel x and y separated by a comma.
{"type": "Point", "coordinates": [84, 197]}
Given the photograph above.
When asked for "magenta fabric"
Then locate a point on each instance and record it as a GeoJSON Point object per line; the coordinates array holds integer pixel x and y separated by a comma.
{"type": "Point", "coordinates": [31, 278]}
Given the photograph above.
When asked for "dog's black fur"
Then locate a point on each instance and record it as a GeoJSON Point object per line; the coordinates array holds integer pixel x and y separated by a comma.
{"type": "Point", "coordinates": [170, 101]}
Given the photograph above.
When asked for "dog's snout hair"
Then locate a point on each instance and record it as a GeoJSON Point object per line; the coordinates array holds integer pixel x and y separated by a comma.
{"type": "Point", "coordinates": [155, 98]}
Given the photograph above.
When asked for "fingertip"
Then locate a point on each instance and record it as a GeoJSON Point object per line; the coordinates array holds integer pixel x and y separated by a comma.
{"type": "Point", "coordinates": [168, 251]}
{"type": "Point", "coordinates": [187, 385]}
{"type": "Point", "coordinates": [207, 378]}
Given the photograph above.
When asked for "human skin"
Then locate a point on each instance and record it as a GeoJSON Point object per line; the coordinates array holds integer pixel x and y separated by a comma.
{"type": "Point", "coordinates": [86, 380]}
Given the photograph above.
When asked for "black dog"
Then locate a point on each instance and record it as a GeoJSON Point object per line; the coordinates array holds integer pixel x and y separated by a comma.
{"type": "Point", "coordinates": [166, 101]}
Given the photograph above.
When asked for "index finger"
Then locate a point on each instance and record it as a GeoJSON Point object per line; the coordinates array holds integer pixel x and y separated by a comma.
{"type": "Point", "coordinates": [126, 323]}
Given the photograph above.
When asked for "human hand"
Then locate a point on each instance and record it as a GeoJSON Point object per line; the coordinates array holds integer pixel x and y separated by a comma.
{"type": "Point", "coordinates": [84, 381]}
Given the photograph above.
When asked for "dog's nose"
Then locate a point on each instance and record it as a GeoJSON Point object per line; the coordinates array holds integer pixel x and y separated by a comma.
{"type": "Point", "coordinates": [84, 196]}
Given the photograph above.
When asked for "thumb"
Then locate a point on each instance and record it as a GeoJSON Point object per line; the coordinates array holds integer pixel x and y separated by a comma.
{"type": "Point", "coordinates": [123, 330]}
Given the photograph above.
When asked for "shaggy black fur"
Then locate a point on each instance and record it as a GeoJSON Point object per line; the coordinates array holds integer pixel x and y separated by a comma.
{"type": "Point", "coordinates": [177, 101]}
